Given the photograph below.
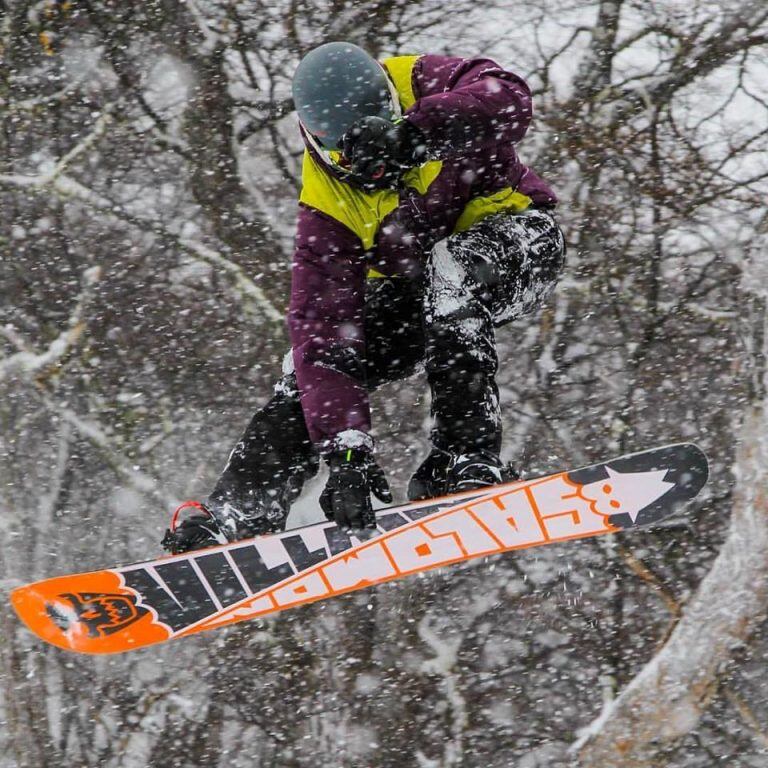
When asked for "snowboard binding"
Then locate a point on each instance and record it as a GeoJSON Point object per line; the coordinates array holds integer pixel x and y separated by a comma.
{"type": "Point", "coordinates": [193, 526]}
{"type": "Point", "coordinates": [479, 470]}
{"type": "Point", "coordinates": [443, 473]}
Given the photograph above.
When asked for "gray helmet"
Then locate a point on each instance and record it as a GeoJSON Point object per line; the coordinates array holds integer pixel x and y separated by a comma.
{"type": "Point", "coordinates": [335, 85]}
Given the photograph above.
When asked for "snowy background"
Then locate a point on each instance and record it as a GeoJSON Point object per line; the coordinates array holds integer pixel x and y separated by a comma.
{"type": "Point", "coordinates": [148, 178]}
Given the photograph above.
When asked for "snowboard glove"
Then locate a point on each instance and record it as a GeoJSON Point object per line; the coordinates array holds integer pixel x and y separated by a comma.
{"type": "Point", "coordinates": [378, 150]}
{"type": "Point", "coordinates": [346, 499]}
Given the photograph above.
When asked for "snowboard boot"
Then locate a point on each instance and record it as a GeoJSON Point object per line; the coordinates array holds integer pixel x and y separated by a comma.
{"type": "Point", "coordinates": [443, 473]}
{"type": "Point", "coordinates": [431, 478]}
{"type": "Point", "coordinates": [253, 513]}
{"type": "Point", "coordinates": [197, 525]}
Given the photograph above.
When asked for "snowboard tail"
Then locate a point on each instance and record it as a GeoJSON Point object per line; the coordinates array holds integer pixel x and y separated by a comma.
{"type": "Point", "coordinates": [118, 609]}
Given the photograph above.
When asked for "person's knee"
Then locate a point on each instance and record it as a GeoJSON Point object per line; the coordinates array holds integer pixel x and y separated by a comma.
{"type": "Point", "coordinates": [447, 281]}
{"type": "Point", "coordinates": [539, 248]}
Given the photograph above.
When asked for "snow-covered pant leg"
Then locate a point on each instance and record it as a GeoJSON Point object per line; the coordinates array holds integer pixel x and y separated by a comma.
{"type": "Point", "coordinates": [496, 271]}
{"type": "Point", "coordinates": [272, 460]}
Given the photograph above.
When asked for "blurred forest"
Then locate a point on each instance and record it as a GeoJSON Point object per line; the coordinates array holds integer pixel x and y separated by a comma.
{"type": "Point", "coordinates": [149, 167]}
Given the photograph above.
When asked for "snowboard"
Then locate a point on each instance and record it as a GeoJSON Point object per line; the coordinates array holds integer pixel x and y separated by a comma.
{"type": "Point", "coordinates": [133, 606]}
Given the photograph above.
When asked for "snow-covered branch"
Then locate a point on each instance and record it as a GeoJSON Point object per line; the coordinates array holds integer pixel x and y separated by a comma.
{"type": "Point", "coordinates": [698, 60]}
{"type": "Point", "coordinates": [120, 464]}
{"type": "Point", "coordinates": [28, 362]}
{"type": "Point", "coordinates": [255, 301]}
{"type": "Point", "coordinates": [99, 129]}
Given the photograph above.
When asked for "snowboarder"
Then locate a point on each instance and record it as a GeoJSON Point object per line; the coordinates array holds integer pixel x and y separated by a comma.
{"type": "Point", "coordinates": [419, 232]}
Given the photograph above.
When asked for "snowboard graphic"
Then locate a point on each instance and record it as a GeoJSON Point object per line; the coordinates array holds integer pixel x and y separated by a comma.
{"type": "Point", "coordinates": [119, 609]}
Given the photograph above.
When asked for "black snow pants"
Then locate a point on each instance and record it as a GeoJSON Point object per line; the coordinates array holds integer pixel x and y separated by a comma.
{"type": "Point", "coordinates": [477, 280]}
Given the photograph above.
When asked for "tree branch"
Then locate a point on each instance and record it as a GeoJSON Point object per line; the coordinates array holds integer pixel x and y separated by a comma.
{"type": "Point", "coordinates": [255, 301]}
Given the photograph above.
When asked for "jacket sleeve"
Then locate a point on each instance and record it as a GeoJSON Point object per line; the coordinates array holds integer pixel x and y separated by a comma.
{"type": "Point", "coordinates": [325, 322]}
{"type": "Point", "coordinates": [465, 104]}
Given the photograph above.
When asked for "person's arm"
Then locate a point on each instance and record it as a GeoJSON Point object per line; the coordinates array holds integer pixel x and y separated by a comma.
{"type": "Point", "coordinates": [327, 334]}
{"type": "Point", "coordinates": [463, 104]}
{"type": "Point", "coordinates": [325, 321]}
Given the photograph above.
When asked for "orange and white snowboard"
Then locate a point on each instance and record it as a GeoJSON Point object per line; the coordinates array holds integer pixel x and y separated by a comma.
{"type": "Point", "coordinates": [118, 609]}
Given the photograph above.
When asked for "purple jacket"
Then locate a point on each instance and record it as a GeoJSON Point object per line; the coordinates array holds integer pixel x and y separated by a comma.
{"type": "Point", "coordinates": [472, 113]}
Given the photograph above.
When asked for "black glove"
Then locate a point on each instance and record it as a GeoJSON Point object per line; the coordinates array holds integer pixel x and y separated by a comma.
{"type": "Point", "coordinates": [346, 499]}
{"type": "Point", "coordinates": [378, 150]}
